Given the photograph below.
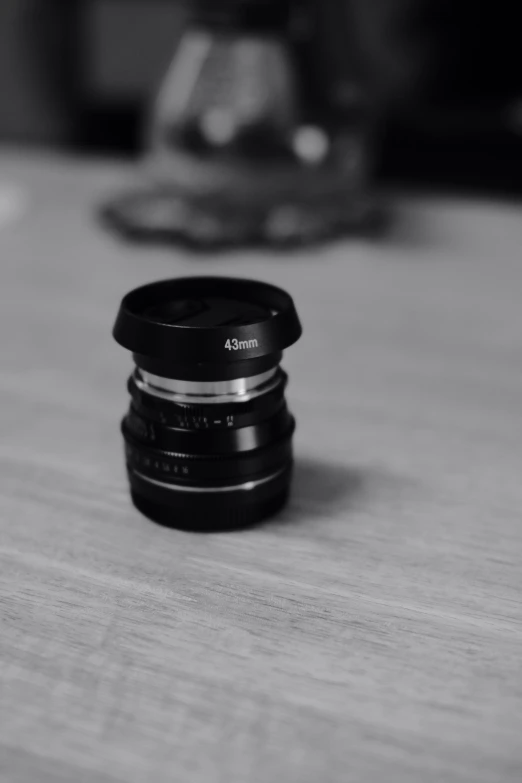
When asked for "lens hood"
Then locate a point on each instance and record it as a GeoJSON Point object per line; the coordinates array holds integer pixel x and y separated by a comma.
{"type": "Point", "coordinates": [215, 320]}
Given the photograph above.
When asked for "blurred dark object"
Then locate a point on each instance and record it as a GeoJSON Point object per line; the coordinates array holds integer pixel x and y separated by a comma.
{"type": "Point", "coordinates": [449, 78]}
{"type": "Point", "coordinates": [124, 48]}
{"type": "Point", "coordinates": [257, 135]}
{"type": "Point", "coordinates": [36, 70]}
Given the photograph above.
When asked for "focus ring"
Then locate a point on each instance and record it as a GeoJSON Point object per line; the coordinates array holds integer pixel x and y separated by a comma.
{"type": "Point", "coordinates": [172, 467]}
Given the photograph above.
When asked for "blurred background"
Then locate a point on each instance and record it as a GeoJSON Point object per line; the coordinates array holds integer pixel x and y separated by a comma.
{"type": "Point", "coordinates": [438, 83]}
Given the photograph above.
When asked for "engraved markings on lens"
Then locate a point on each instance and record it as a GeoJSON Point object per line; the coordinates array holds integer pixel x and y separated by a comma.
{"type": "Point", "coordinates": [240, 345]}
{"type": "Point", "coordinates": [137, 459]}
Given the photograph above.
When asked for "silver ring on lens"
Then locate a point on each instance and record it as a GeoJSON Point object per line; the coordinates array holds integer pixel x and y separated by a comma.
{"type": "Point", "coordinates": [207, 392]}
{"type": "Point", "coordinates": [246, 487]}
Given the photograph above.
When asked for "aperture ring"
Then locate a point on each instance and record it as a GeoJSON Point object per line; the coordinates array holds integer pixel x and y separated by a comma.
{"type": "Point", "coordinates": [208, 441]}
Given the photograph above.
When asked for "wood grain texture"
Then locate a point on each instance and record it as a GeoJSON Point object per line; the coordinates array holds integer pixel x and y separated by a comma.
{"type": "Point", "coordinates": [372, 632]}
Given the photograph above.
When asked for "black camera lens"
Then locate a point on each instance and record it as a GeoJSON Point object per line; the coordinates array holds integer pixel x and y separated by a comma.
{"type": "Point", "coordinates": [208, 436]}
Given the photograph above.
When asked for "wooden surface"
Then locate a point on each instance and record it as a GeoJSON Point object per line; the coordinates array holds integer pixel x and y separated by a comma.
{"type": "Point", "coordinates": [371, 633]}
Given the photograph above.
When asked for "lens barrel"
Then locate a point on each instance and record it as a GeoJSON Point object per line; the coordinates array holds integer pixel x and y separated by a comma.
{"type": "Point", "coordinates": [208, 436]}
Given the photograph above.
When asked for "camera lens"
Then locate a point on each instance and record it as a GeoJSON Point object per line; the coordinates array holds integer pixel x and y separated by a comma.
{"type": "Point", "coordinates": [208, 435]}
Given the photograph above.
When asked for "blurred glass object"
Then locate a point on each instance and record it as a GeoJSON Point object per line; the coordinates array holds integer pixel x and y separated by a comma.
{"type": "Point", "coordinates": [261, 131]}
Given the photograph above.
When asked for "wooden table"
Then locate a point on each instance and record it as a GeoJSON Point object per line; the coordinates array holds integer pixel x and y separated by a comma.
{"type": "Point", "coordinates": [372, 632]}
